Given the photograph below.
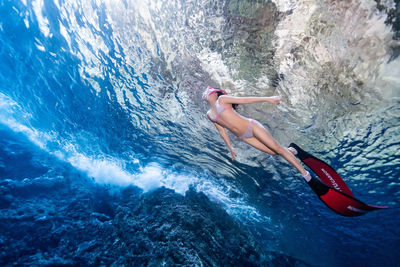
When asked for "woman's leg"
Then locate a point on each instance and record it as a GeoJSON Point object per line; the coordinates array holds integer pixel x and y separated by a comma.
{"type": "Point", "coordinates": [258, 145]}
{"type": "Point", "coordinates": [262, 135]}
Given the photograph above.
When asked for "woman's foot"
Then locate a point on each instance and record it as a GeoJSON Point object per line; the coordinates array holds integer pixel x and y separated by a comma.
{"type": "Point", "coordinates": [307, 176]}
{"type": "Point", "coordinates": [292, 150]}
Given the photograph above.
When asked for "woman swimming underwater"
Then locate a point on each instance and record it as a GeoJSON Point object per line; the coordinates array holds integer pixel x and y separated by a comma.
{"type": "Point", "coordinates": [250, 131]}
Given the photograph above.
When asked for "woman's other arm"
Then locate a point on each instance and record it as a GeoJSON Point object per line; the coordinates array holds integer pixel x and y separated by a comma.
{"type": "Point", "coordinates": [249, 100]}
{"type": "Point", "coordinates": [225, 137]}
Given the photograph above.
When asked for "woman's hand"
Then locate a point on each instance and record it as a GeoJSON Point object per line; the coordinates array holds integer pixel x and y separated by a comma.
{"type": "Point", "coordinates": [274, 100]}
{"type": "Point", "coordinates": [233, 152]}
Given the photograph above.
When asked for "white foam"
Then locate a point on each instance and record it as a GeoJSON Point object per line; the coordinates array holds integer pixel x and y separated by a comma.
{"type": "Point", "coordinates": [212, 62]}
{"type": "Point", "coordinates": [284, 5]}
{"type": "Point", "coordinates": [390, 79]}
{"type": "Point", "coordinates": [149, 178]}
{"type": "Point", "coordinates": [43, 21]}
{"type": "Point", "coordinates": [103, 171]}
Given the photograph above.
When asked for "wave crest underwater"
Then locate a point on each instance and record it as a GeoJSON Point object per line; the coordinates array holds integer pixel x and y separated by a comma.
{"type": "Point", "coordinates": [114, 88]}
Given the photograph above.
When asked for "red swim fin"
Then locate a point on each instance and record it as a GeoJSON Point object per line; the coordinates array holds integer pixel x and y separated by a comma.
{"type": "Point", "coordinates": [340, 202]}
{"type": "Point", "coordinates": [332, 190]}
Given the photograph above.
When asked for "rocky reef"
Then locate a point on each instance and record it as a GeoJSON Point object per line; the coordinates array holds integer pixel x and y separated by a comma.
{"type": "Point", "coordinates": [166, 228]}
{"type": "Point", "coordinates": [55, 222]}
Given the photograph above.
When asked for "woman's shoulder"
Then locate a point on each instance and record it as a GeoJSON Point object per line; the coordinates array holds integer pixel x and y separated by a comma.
{"type": "Point", "coordinates": [224, 100]}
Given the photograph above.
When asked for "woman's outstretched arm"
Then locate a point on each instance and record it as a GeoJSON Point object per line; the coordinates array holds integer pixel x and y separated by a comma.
{"type": "Point", "coordinates": [249, 100]}
{"type": "Point", "coordinates": [225, 137]}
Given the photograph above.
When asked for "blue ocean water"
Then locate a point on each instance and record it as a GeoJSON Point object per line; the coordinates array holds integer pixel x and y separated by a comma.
{"type": "Point", "coordinates": [100, 107]}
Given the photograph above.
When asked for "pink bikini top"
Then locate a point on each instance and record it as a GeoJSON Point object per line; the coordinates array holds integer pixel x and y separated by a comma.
{"type": "Point", "coordinates": [219, 109]}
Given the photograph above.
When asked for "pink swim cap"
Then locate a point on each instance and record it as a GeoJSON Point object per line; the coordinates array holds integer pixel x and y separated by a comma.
{"type": "Point", "coordinates": [206, 92]}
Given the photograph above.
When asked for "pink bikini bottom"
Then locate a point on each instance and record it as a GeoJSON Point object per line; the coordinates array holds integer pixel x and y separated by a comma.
{"type": "Point", "coordinates": [249, 131]}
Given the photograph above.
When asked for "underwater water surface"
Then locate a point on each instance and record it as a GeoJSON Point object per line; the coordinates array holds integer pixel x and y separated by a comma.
{"type": "Point", "coordinates": [107, 157]}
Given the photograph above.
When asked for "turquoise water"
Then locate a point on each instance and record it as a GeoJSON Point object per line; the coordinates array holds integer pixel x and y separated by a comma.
{"type": "Point", "coordinates": [111, 89]}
